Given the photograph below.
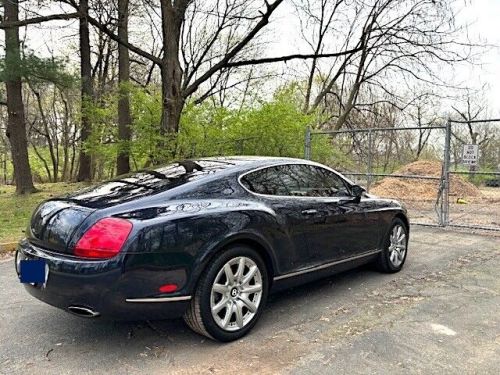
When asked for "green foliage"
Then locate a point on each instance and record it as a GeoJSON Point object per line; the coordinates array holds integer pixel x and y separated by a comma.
{"type": "Point", "coordinates": [37, 70]}
{"type": "Point", "coordinates": [146, 111]}
{"type": "Point", "coordinates": [40, 70]}
{"type": "Point", "coordinates": [274, 128]}
{"type": "Point", "coordinates": [102, 140]}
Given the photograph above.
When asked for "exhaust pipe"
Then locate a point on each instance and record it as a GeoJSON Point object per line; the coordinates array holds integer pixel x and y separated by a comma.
{"type": "Point", "coordinates": [83, 312]}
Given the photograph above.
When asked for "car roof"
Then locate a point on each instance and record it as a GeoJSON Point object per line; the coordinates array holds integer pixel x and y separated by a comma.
{"type": "Point", "coordinates": [250, 161]}
{"type": "Point", "coordinates": [242, 164]}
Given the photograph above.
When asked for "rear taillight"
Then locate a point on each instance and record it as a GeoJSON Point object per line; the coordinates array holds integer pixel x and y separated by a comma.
{"type": "Point", "coordinates": [104, 239]}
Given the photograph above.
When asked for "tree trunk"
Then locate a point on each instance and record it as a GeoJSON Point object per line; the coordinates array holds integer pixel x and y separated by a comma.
{"type": "Point", "coordinates": [65, 140]}
{"type": "Point", "coordinates": [171, 72]}
{"type": "Point", "coordinates": [84, 171]}
{"type": "Point", "coordinates": [16, 124]}
{"type": "Point", "coordinates": [124, 120]}
{"type": "Point", "coordinates": [310, 81]}
{"type": "Point", "coordinates": [173, 102]}
{"type": "Point", "coordinates": [50, 143]}
{"type": "Point", "coordinates": [351, 100]}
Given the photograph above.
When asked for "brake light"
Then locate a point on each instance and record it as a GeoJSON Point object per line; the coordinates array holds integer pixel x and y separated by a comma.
{"type": "Point", "coordinates": [104, 239]}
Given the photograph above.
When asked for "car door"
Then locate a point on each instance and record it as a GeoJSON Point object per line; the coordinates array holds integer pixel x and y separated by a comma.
{"type": "Point", "coordinates": [307, 204]}
{"type": "Point", "coordinates": [306, 225]}
{"type": "Point", "coordinates": [315, 208]}
{"type": "Point", "coordinates": [322, 218]}
{"type": "Point", "coordinates": [321, 207]}
{"type": "Point", "coordinates": [354, 225]}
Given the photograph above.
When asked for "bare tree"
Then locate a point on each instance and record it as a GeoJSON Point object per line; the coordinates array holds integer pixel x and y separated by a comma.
{"type": "Point", "coordinates": [178, 84]}
{"type": "Point", "coordinates": [87, 92]}
{"type": "Point", "coordinates": [399, 41]}
{"type": "Point", "coordinates": [470, 113]}
{"type": "Point", "coordinates": [422, 114]}
{"type": "Point", "coordinates": [481, 134]}
{"type": "Point", "coordinates": [124, 119]}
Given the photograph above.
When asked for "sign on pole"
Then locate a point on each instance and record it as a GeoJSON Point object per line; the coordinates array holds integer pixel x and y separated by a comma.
{"type": "Point", "coordinates": [470, 155]}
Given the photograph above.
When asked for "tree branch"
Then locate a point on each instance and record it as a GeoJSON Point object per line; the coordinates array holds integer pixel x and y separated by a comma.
{"type": "Point", "coordinates": [94, 22]}
{"type": "Point", "coordinates": [130, 46]}
{"type": "Point", "coordinates": [223, 63]}
{"type": "Point", "coordinates": [268, 60]}
{"type": "Point", "coordinates": [40, 19]}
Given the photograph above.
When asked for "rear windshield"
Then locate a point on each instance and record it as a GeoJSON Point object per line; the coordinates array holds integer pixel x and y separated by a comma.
{"type": "Point", "coordinates": [146, 182]}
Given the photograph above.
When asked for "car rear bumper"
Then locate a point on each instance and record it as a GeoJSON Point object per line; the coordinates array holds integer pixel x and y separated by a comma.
{"type": "Point", "coordinates": [99, 288]}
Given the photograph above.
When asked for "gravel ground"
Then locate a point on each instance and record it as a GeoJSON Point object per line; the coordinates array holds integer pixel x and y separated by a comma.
{"type": "Point", "coordinates": [439, 315]}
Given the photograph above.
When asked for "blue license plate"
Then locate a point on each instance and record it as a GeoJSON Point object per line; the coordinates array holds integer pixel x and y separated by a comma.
{"type": "Point", "coordinates": [33, 271]}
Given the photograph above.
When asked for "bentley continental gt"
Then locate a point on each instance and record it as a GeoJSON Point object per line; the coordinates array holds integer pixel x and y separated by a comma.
{"type": "Point", "coordinates": [206, 240]}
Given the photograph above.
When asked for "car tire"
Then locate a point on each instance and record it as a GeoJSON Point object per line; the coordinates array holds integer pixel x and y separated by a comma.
{"type": "Point", "coordinates": [395, 248]}
{"type": "Point", "coordinates": [228, 302]}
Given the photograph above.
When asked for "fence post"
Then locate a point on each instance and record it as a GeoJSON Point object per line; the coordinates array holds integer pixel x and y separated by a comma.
{"type": "Point", "coordinates": [307, 144]}
{"type": "Point", "coordinates": [445, 201]}
{"type": "Point", "coordinates": [369, 166]}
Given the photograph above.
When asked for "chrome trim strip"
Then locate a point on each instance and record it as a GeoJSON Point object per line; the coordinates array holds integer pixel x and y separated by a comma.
{"type": "Point", "coordinates": [326, 265]}
{"type": "Point", "coordinates": [159, 299]}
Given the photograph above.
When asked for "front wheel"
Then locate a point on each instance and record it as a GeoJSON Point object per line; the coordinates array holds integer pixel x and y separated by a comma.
{"type": "Point", "coordinates": [393, 255]}
{"type": "Point", "coordinates": [230, 295]}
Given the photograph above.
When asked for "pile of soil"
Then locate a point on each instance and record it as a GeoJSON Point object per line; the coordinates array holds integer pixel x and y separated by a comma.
{"type": "Point", "coordinates": [421, 189]}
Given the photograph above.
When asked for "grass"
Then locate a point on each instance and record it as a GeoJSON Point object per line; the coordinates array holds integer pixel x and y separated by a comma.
{"type": "Point", "coordinates": [15, 210]}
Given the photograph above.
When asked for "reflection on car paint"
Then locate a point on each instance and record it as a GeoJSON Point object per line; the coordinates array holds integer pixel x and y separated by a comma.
{"type": "Point", "coordinates": [182, 217]}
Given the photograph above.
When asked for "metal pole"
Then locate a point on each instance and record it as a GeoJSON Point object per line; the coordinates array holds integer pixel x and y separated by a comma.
{"type": "Point", "coordinates": [307, 145]}
{"type": "Point", "coordinates": [369, 166]}
{"type": "Point", "coordinates": [445, 202]}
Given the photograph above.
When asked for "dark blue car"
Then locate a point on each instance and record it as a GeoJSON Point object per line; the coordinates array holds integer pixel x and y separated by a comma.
{"type": "Point", "coordinates": [206, 239]}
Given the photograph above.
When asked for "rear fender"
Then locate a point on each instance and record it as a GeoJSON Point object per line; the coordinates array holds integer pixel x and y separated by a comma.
{"type": "Point", "coordinates": [249, 238]}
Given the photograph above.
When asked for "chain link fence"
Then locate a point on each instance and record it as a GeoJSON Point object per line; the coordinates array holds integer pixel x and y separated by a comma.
{"type": "Point", "coordinates": [474, 162]}
{"type": "Point", "coordinates": [433, 170]}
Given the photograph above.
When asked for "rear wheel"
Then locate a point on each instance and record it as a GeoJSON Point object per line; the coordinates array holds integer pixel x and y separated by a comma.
{"type": "Point", "coordinates": [230, 295]}
{"type": "Point", "coordinates": [393, 256]}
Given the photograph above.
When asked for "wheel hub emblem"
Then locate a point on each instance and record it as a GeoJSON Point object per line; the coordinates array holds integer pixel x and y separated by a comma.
{"type": "Point", "coordinates": [234, 292]}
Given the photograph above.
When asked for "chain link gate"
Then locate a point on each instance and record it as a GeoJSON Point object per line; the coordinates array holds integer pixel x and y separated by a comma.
{"type": "Point", "coordinates": [379, 161]}
{"type": "Point", "coordinates": [478, 210]}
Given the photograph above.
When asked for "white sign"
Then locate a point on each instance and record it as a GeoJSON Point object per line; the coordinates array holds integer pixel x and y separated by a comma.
{"type": "Point", "coordinates": [470, 154]}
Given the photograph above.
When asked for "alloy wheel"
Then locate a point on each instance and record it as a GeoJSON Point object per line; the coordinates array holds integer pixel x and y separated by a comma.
{"type": "Point", "coordinates": [236, 293]}
{"type": "Point", "coordinates": [397, 245]}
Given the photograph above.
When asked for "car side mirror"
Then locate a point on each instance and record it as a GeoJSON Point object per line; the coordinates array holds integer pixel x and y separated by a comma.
{"type": "Point", "coordinates": [357, 192]}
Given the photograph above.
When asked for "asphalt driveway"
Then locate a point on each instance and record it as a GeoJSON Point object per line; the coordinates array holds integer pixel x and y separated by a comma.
{"type": "Point", "coordinates": [441, 314]}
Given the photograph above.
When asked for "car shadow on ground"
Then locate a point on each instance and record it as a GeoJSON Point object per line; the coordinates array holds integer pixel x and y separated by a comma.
{"type": "Point", "coordinates": [283, 309]}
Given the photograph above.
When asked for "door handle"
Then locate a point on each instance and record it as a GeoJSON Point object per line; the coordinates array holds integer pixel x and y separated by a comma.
{"type": "Point", "coordinates": [310, 212]}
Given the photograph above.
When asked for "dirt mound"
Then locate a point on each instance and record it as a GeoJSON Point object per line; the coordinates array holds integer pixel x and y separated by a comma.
{"type": "Point", "coordinates": [422, 189]}
{"type": "Point", "coordinates": [421, 168]}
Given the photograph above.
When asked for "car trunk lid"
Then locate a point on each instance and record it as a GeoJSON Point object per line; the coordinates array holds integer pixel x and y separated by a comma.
{"type": "Point", "coordinates": [54, 222]}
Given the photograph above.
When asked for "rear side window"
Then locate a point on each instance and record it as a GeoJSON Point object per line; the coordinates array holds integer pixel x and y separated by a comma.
{"type": "Point", "coordinates": [265, 181]}
{"type": "Point", "coordinates": [299, 180]}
